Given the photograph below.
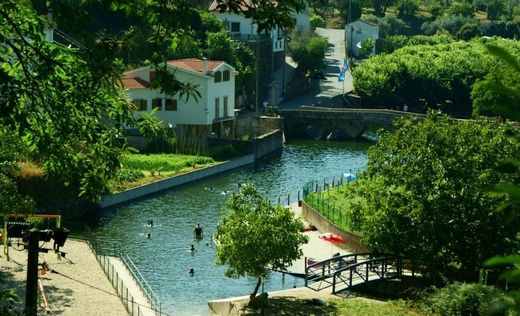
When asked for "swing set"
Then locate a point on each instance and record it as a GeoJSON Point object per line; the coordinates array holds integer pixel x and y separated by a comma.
{"type": "Point", "coordinates": [17, 226]}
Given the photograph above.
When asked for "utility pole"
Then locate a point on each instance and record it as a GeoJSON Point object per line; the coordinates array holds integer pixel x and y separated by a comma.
{"type": "Point", "coordinates": [31, 290]}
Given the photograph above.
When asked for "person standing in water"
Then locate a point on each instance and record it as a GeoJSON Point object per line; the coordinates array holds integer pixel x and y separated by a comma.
{"type": "Point", "coordinates": [197, 231]}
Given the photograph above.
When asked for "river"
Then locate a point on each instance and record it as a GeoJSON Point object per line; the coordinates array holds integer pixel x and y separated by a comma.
{"type": "Point", "coordinates": [164, 259]}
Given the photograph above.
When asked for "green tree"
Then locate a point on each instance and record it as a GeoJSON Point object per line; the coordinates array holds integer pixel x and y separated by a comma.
{"type": "Point", "coordinates": [462, 9]}
{"type": "Point", "coordinates": [498, 92]}
{"type": "Point", "coordinates": [220, 47]}
{"type": "Point", "coordinates": [350, 10]}
{"type": "Point", "coordinates": [407, 8]}
{"type": "Point", "coordinates": [255, 236]}
{"type": "Point", "coordinates": [468, 31]}
{"type": "Point", "coordinates": [424, 193]}
{"type": "Point", "coordinates": [60, 102]}
{"type": "Point", "coordinates": [185, 45]}
{"type": "Point", "coordinates": [316, 21]}
{"type": "Point", "coordinates": [495, 8]}
{"type": "Point", "coordinates": [309, 54]}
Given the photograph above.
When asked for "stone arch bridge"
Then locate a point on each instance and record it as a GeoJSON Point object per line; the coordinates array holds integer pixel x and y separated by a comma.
{"type": "Point", "coordinates": [337, 123]}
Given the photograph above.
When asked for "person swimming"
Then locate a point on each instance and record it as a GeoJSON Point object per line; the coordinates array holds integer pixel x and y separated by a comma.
{"type": "Point", "coordinates": [192, 249]}
{"type": "Point", "coordinates": [148, 235]}
{"type": "Point", "coordinates": [150, 222]}
{"type": "Point", "coordinates": [191, 271]}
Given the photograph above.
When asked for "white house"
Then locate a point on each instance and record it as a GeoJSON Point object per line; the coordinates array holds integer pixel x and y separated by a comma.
{"type": "Point", "coordinates": [213, 112]}
{"type": "Point", "coordinates": [358, 31]}
{"type": "Point", "coordinates": [244, 29]}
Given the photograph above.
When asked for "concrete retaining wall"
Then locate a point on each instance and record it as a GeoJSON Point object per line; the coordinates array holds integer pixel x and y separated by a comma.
{"type": "Point", "coordinates": [161, 185]}
{"type": "Point", "coordinates": [268, 144]}
{"type": "Point", "coordinates": [353, 241]}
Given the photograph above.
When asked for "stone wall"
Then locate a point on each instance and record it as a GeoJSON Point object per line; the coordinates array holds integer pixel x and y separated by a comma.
{"type": "Point", "coordinates": [161, 185]}
{"type": "Point", "coordinates": [353, 241]}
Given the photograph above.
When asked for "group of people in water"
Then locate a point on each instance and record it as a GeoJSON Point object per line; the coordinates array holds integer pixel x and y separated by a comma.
{"type": "Point", "coordinates": [198, 233]}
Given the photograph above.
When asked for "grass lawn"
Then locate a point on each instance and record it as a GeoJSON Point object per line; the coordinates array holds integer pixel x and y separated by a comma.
{"type": "Point", "coordinates": [351, 307]}
{"type": "Point", "coordinates": [138, 169]}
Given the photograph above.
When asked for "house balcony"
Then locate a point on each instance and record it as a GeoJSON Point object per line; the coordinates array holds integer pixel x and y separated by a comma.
{"type": "Point", "coordinates": [243, 37]}
{"type": "Point", "coordinates": [223, 119]}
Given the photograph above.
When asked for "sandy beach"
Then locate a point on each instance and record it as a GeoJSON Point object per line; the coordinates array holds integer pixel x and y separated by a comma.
{"type": "Point", "coordinates": [75, 285]}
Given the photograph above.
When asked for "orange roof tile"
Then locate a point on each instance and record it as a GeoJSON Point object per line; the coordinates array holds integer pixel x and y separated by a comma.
{"type": "Point", "coordinates": [195, 64]}
{"type": "Point", "coordinates": [244, 5]}
{"type": "Point", "coordinates": [135, 83]}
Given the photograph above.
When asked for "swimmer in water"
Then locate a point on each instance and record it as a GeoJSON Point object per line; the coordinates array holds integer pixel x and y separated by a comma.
{"type": "Point", "coordinates": [192, 249]}
{"type": "Point", "coordinates": [191, 271]}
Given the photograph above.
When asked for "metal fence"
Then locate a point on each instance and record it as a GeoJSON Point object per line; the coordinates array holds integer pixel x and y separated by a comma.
{"type": "Point", "coordinates": [103, 253]}
{"type": "Point", "coordinates": [315, 193]}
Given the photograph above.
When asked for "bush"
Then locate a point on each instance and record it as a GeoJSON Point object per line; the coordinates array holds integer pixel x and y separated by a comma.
{"type": "Point", "coordinates": [224, 152]}
{"type": "Point", "coordinates": [389, 25]}
{"type": "Point", "coordinates": [129, 175]}
{"type": "Point", "coordinates": [468, 31]}
{"type": "Point", "coordinates": [452, 24]}
{"type": "Point", "coordinates": [398, 41]}
{"type": "Point", "coordinates": [462, 9]}
{"type": "Point", "coordinates": [317, 21]}
{"type": "Point", "coordinates": [468, 299]}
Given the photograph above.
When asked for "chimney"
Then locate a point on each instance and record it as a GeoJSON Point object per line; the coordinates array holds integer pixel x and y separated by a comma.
{"type": "Point", "coordinates": [204, 66]}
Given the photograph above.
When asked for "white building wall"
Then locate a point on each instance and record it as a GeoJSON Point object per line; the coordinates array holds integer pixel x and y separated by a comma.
{"type": "Point", "coordinates": [196, 112]}
{"type": "Point", "coordinates": [357, 31]}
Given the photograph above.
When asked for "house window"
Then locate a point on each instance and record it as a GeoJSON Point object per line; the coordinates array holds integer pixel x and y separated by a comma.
{"type": "Point", "coordinates": [140, 104]}
{"type": "Point", "coordinates": [218, 76]}
{"type": "Point", "coordinates": [226, 75]}
{"type": "Point", "coordinates": [170, 105]}
{"type": "Point", "coordinates": [217, 107]}
{"type": "Point", "coordinates": [157, 104]}
{"type": "Point", "coordinates": [235, 27]}
{"type": "Point", "coordinates": [225, 106]}
{"type": "Point", "coordinates": [226, 25]}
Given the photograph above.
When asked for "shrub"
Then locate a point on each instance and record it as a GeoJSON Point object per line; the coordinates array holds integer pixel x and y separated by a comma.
{"type": "Point", "coordinates": [129, 175]}
{"type": "Point", "coordinates": [317, 21]}
{"type": "Point", "coordinates": [452, 24]}
{"type": "Point", "coordinates": [224, 152]}
{"type": "Point", "coordinates": [468, 31]}
{"type": "Point", "coordinates": [461, 9]}
{"type": "Point", "coordinates": [468, 299]}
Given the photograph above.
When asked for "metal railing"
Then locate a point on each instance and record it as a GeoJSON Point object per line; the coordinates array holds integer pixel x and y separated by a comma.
{"type": "Point", "coordinates": [103, 253]}
{"type": "Point", "coordinates": [315, 194]}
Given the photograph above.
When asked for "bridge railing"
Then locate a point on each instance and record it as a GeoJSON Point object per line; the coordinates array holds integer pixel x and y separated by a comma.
{"type": "Point", "coordinates": [381, 267]}
{"type": "Point", "coordinates": [321, 270]}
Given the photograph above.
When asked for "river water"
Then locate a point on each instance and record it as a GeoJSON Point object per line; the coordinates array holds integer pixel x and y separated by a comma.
{"type": "Point", "coordinates": [164, 259]}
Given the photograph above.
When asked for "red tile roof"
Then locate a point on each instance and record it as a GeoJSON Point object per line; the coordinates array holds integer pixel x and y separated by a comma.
{"type": "Point", "coordinates": [135, 83]}
{"type": "Point", "coordinates": [244, 5]}
{"type": "Point", "coordinates": [195, 64]}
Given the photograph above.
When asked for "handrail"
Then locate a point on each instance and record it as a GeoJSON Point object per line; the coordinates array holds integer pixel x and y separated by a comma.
{"type": "Point", "coordinates": [102, 252]}
{"type": "Point", "coordinates": [334, 267]}
{"type": "Point", "coordinates": [147, 289]}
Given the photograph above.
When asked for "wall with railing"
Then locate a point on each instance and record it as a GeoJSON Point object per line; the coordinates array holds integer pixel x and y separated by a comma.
{"type": "Point", "coordinates": [107, 255]}
{"type": "Point", "coordinates": [318, 210]}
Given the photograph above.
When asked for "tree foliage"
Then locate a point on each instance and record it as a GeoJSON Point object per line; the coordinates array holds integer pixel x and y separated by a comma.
{"type": "Point", "coordinates": [424, 193]}
{"type": "Point", "coordinates": [440, 76]}
{"type": "Point", "coordinates": [255, 236]}
{"type": "Point", "coordinates": [499, 91]}
{"type": "Point", "coordinates": [399, 41]}
{"type": "Point", "coordinates": [309, 54]}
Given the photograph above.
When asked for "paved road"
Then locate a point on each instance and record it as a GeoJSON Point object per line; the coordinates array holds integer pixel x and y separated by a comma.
{"type": "Point", "coordinates": [323, 89]}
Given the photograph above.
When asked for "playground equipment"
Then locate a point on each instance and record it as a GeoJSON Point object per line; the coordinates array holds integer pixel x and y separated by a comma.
{"type": "Point", "coordinates": [15, 228]}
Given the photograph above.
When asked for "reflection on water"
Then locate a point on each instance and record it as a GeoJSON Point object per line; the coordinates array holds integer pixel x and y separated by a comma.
{"type": "Point", "coordinates": [164, 259]}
